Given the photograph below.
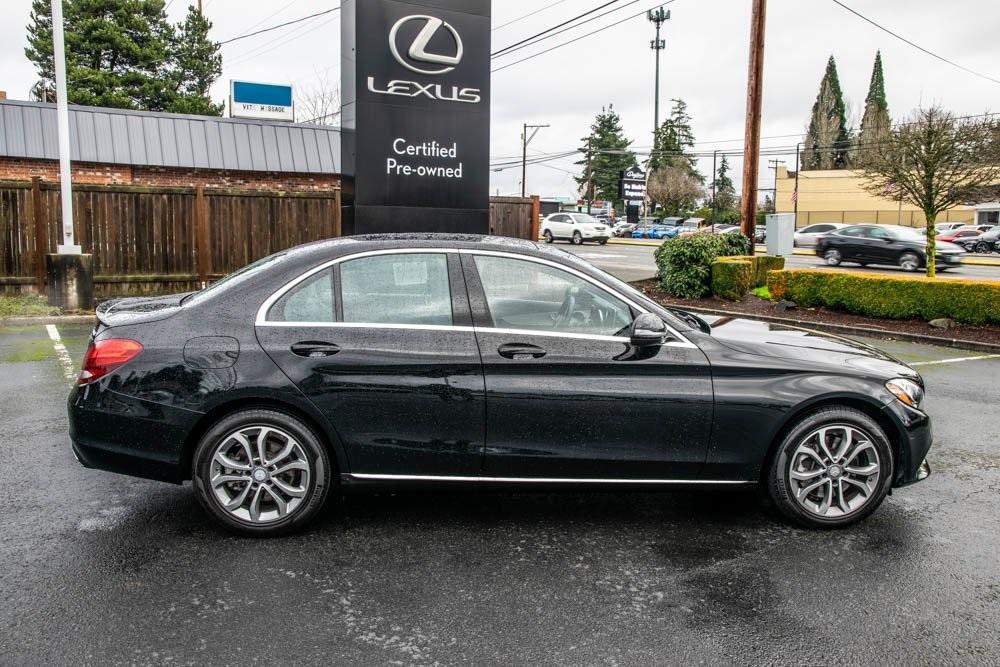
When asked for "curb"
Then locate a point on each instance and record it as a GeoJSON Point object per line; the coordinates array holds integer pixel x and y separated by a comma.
{"type": "Point", "coordinates": [846, 329]}
{"type": "Point", "coordinates": [46, 319]}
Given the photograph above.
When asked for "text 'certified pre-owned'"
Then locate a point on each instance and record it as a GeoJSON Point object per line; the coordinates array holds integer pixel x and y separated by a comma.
{"type": "Point", "coordinates": [417, 55]}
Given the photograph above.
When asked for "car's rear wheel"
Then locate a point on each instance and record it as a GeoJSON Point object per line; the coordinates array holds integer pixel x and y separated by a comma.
{"type": "Point", "coordinates": [261, 472]}
{"type": "Point", "coordinates": [832, 469]}
{"type": "Point", "coordinates": [577, 238]}
{"type": "Point", "coordinates": [548, 236]}
{"type": "Point", "coordinates": [909, 261]}
{"type": "Point", "coordinates": [982, 248]}
{"type": "Point", "coordinates": [833, 257]}
{"type": "Point", "coordinates": [603, 242]}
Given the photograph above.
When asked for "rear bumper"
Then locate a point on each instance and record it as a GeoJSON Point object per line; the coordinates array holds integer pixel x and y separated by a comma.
{"type": "Point", "coordinates": [122, 434]}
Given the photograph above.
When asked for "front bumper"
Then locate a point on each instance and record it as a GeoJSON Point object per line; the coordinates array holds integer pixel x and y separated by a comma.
{"type": "Point", "coordinates": [952, 259]}
{"type": "Point", "coordinates": [915, 437]}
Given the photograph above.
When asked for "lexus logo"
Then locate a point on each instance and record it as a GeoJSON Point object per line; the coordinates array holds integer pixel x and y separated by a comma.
{"type": "Point", "coordinates": [418, 49]}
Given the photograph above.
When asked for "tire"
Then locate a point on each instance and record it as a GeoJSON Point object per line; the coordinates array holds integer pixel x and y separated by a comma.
{"type": "Point", "coordinates": [577, 238]}
{"type": "Point", "coordinates": [793, 470]}
{"type": "Point", "coordinates": [303, 487]}
{"type": "Point", "coordinates": [548, 236]}
{"type": "Point", "coordinates": [602, 242]}
{"type": "Point", "coordinates": [833, 257]}
{"type": "Point", "coordinates": [909, 261]}
{"type": "Point", "coordinates": [982, 248]}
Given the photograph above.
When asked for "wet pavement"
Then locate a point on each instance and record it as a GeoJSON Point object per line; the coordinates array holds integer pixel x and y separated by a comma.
{"type": "Point", "coordinates": [99, 568]}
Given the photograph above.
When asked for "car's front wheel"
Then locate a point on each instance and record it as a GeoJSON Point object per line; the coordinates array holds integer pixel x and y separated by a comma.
{"type": "Point", "coordinates": [833, 257]}
{"type": "Point", "coordinates": [832, 469]}
{"type": "Point", "coordinates": [548, 236]}
{"type": "Point", "coordinates": [261, 472]}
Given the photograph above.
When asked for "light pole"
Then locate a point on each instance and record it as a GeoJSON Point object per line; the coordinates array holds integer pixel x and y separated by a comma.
{"type": "Point", "coordinates": [525, 140]}
{"type": "Point", "coordinates": [68, 245]}
{"type": "Point", "coordinates": [658, 16]}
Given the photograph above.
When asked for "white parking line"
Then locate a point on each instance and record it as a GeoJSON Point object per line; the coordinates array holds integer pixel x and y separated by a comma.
{"type": "Point", "coordinates": [956, 360]}
{"type": "Point", "coordinates": [69, 370]}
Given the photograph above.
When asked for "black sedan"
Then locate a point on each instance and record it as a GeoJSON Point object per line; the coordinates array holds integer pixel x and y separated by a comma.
{"type": "Point", "coordinates": [905, 247]}
{"type": "Point", "coordinates": [376, 362]}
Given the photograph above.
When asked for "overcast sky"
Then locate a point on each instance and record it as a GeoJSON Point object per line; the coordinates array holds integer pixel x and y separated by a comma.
{"type": "Point", "coordinates": [704, 63]}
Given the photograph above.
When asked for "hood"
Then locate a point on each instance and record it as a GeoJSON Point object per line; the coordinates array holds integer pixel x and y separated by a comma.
{"type": "Point", "coordinates": [776, 340]}
{"type": "Point", "coordinates": [134, 310]}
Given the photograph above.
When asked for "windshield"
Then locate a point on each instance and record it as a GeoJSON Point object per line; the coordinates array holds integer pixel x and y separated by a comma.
{"type": "Point", "coordinates": [583, 217]}
{"type": "Point", "coordinates": [908, 234]}
{"type": "Point", "coordinates": [236, 278]}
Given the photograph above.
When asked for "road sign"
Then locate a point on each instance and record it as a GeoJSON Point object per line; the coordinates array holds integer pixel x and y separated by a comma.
{"type": "Point", "coordinates": [263, 101]}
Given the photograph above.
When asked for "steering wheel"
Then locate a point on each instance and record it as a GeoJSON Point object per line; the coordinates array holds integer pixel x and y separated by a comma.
{"type": "Point", "coordinates": [565, 314]}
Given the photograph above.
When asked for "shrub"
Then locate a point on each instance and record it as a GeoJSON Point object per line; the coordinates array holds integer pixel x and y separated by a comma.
{"type": "Point", "coordinates": [971, 302]}
{"type": "Point", "coordinates": [684, 265]}
{"type": "Point", "coordinates": [731, 278]}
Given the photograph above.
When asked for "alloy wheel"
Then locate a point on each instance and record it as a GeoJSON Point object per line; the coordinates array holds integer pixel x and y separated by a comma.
{"type": "Point", "coordinates": [260, 474]}
{"type": "Point", "coordinates": [909, 262]}
{"type": "Point", "coordinates": [832, 257]}
{"type": "Point", "coordinates": [835, 471]}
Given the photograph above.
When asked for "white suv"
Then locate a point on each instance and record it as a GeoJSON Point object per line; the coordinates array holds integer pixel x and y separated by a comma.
{"type": "Point", "coordinates": [574, 227]}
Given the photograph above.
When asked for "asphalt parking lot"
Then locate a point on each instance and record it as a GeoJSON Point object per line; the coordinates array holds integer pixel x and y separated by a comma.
{"type": "Point", "coordinates": [98, 568]}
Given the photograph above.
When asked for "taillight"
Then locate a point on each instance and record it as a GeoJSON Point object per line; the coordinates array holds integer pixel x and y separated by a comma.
{"type": "Point", "coordinates": [105, 356]}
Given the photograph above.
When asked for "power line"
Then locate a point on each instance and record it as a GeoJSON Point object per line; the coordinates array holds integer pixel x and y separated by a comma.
{"type": "Point", "coordinates": [914, 45]}
{"type": "Point", "coordinates": [269, 16]}
{"type": "Point", "coordinates": [513, 48]}
{"type": "Point", "coordinates": [280, 25]}
{"type": "Point", "coordinates": [576, 39]}
{"type": "Point", "coordinates": [279, 41]}
{"type": "Point", "coordinates": [513, 21]}
{"type": "Point", "coordinates": [547, 30]}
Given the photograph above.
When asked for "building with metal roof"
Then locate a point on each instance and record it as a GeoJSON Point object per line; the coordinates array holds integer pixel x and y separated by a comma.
{"type": "Point", "coordinates": [164, 140]}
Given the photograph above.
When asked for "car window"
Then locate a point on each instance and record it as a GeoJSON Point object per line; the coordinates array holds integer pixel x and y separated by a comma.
{"type": "Point", "coordinates": [309, 301]}
{"type": "Point", "coordinates": [527, 295]}
{"type": "Point", "coordinates": [583, 217]}
{"type": "Point", "coordinates": [396, 289]}
{"type": "Point", "coordinates": [558, 218]}
{"type": "Point", "coordinates": [852, 231]}
{"type": "Point", "coordinates": [812, 229]}
{"type": "Point", "coordinates": [876, 233]}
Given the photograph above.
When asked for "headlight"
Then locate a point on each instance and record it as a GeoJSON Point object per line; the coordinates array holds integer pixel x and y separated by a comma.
{"type": "Point", "coordinates": [907, 391]}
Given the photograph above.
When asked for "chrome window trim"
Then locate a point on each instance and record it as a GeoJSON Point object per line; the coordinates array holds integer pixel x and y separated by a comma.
{"type": "Point", "coordinates": [261, 321]}
{"type": "Point", "coordinates": [540, 480]}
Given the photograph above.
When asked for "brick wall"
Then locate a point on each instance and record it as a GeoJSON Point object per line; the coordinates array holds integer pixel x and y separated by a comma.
{"type": "Point", "coordinates": [21, 169]}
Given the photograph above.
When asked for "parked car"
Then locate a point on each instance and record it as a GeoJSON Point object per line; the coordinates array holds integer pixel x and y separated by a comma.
{"type": "Point", "coordinates": [623, 229]}
{"type": "Point", "coordinates": [942, 227]}
{"type": "Point", "coordinates": [987, 242]}
{"type": "Point", "coordinates": [885, 244]}
{"type": "Point", "coordinates": [760, 234]}
{"type": "Point", "coordinates": [965, 232]}
{"type": "Point", "coordinates": [405, 361]}
{"type": "Point", "coordinates": [575, 228]}
{"type": "Point", "coordinates": [808, 235]}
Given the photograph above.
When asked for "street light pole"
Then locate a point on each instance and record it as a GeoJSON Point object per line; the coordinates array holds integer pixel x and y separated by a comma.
{"type": "Point", "coordinates": [525, 140]}
{"type": "Point", "coordinates": [68, 245]}
{"type": "Point", "coordinates": [659, 16]}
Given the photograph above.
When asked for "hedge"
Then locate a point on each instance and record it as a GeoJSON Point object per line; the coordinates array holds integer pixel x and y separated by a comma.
{"type": "Point", "coordinates": [971, 302]}
{"type": "Point", "coordinates": [684, 265]}
{"type": "Point", "coordinates": [760, 264]}
{"type": "Point", "coordinates": [731, 277]}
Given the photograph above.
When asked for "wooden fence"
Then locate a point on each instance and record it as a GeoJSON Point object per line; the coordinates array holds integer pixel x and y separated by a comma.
{"type": "Point", "coordinates": [173, 239]}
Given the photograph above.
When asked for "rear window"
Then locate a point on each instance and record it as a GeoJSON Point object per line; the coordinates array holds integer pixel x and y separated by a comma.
{"type": "Point", "coordinates": [397, 289]}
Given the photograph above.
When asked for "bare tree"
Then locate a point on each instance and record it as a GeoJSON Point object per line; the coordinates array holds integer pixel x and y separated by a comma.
{"type": "Point", "coordinates": [320, 103]}
{"type": "Point", "coordinates": [675, 188]}
{"type": "Point", "coordinates": [935, 162]}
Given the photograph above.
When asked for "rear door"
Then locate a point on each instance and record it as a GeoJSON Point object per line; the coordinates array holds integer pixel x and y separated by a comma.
{"type": "Point", "coordinates": [567, 397]}
{"type": "Point", "coordinates": [382, 344]}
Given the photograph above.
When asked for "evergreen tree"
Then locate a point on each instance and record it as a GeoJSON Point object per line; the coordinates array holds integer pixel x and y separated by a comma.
{"type": "Point", "coordinates": [725, 191]}
{"type": "Point", "coordinates": [875, 123]}
{"type": "Point", "coordinates": [610, 155]}
{"type": "Point", "coordinates": [196, 64]}
{"type": "Point", "coordinates": [125, 54]}
{"type": "Point", "coordinates": [673, 142]}
{"type": "Point", "coordinates": [827, 142]}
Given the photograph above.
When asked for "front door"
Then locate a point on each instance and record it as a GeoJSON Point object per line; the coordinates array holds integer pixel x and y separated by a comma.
{"type": "Point", "coordinates": [383, 346]}
{"type": "Point", "coordinates": [567, 397]}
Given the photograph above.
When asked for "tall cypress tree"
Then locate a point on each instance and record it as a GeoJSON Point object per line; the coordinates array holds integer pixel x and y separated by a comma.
{"type": "Point", "coordinates": [195, 65]}
{"type": "Point", "coordinates": [609, 155]}
{"type": "Point", "coordinates": [673, 142]}
{"type": "Point", "coordinates": [827, 141]}
{"type": "Point", "coordinates": [876, 121]}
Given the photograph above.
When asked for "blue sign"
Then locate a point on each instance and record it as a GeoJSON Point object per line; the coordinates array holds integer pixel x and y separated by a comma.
{"type": "Point", "coordinates": [267, 101]}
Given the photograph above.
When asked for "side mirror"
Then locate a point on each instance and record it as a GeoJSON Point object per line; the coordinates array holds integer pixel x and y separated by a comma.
{"type": "Point", "coordinates": [647, 329]}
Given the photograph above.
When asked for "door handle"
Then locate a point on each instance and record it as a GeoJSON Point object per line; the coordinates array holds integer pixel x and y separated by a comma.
{"type": "Point", "coordinates": [520, 351]}
{"type": "Point", "coordinates": [314, 349]}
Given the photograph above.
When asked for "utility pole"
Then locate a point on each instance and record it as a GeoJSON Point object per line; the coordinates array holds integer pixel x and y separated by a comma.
{"type": "Point", "coordinates": [659, 16]}
{"type": "Point", "coordinates": [795, 194]}
{"type": "Point", "coordinates": [68, 245]}
{"type": "Point", "coordinates": [200, 13]}
{"type": "Point", "coordinates": [525, 140]}
{"type": "Point", "coordinates": [773, 164]}
{"type": "Point", "coordinates": [715, 177]}
{"type": "Point", "coordinates": [590, 177]}
{"type": "Point", "coordinates": [751, 142]}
